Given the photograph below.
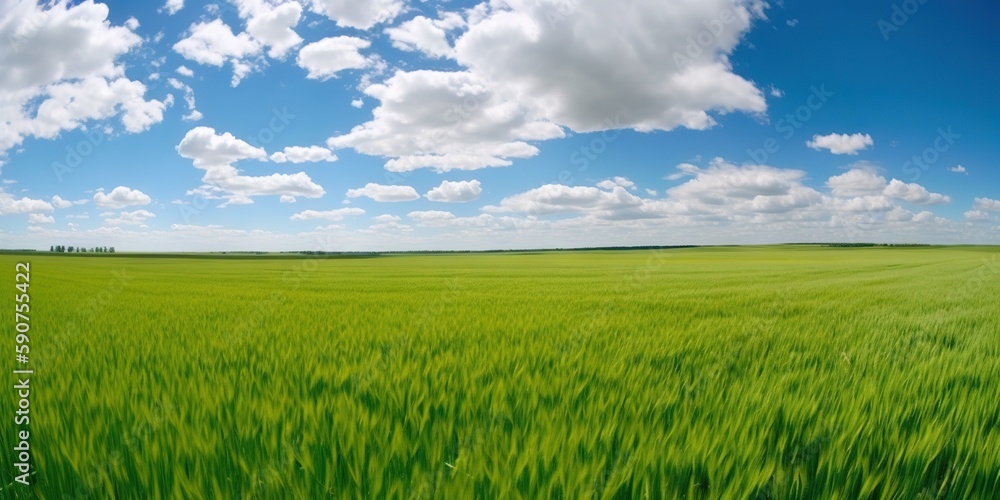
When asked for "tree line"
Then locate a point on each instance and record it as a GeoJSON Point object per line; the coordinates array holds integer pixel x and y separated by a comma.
{"type": "Point", "coordinates": [72, 249]}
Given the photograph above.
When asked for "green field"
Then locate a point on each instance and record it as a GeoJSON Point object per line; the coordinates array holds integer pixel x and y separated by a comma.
{"type": "Point", "coordinates": [753, 372]}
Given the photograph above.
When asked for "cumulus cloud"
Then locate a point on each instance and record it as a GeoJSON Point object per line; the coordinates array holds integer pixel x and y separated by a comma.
{"type": "Point", "coordinates": [331, 215]}
{"type": "Point", "coordinates": [173, 6]}
{"type": "Point", "coordinates": [446, 121]}
{"type": "Point", "coordinates": [559, 199]}
{"type": "Point", "coordinates": [213, 44]}
{"type": "Point", "coordinates": [431, 216]}
{"type": "Point", "coordinates": [216, 153]}
{"type": "Point", "coordinates": [422, 34]}
{"type": "Point", "coordinates": [866, 182]}
{"type": "Point", "coordinates": [272, 25]}
{"type": "Point", "coordinates": [455, 192]}
{"type": "Point", "coordinates": [355, 14]}
{"type": "Point", "coordinates": [616, 181]}
{"type": "Point", "coordinates": [977, 215]}
{"type": "Point", "coordinates": [632, 64]}
{"type": "Point", "coordinates": [185, 71]}
{"type": "Point", "coordinates": [67, 72]}
{"type": "Point", "coordinates": [958, 169]}
{"type": "Point", "coordinates": [841, 144]}
{"type": "Point", "coordinates": [41, 219]}
{"type": "Point", "coordinates": [630, 68]}
{"type": "Point", "coordinates": [329, 56]}
{"type": "Point", "coordinates": [857, 182]}
{"type": "Point", "coordinates": [58, 202]}
{"type": "Point", "coordinates": [121, 197]}
{"type": "Point", "coordinates": [724, 191]}
{"type": "Point", "coordinates": [914, 193]}
{"type": "Point", "coordinates": [298, 154]}
{"type": "Point", "coordinates": [986, 205]}
{"type": "Point", "coordinates": [489, 222]}
{"type": "Point", "coordinates": [382, 193]}
{"type": "Point", "coordinates": [130, 218]}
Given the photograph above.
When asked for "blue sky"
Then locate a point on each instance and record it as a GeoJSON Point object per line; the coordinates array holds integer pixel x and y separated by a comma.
{"type": "Point", "coordinates": [394, 125]}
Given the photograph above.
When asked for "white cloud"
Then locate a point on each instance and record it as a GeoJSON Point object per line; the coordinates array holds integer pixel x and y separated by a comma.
{"type": "Point", "coordinates": [185, 71]}
{"type": "Point", "coordinates": [121, 197]}
{"type": "Point", "coordinates": [193, 114]}
{"type": "Point", "coordinates": [331, 215]}
{"type": "Point", "coordinates": [382, 193]}
{"type": "Point", "coordinates": [977, 215]}
{"type": "Point", "coordinates": [325, 58]}
{"type": "Point", "coordinates": [559, 199]}
{"type": "Point", "coordinates": [41, 219]}
{"type": "Point", "coordinates": [213, 43]}
{"type": "Point", "coordinates": [958, 169]}
{"type": "Point", "coordinates": [431, 216]}
{"type": "Point", "coordinates": [865, 182]}
{"type": "Point", "coordinates": [58, 202]}
{"type": "Point", "coordinates": [359, 14]}
{"type": "Point", "coordinates": [357, 103]}
{"type": "Point", "coordinates": [67, 72]}
{"type": "Point", "coordinates": [986, 205]}
{"type": "Point", "coordinates": [841, 144]}
{"type": "Point", "coordinates": [610, 184]}
{"type": "Point", "coordinates": [445, 121]}
{"type": "Point", "coordinates": [455, 192]}
{"type": "Point", "coordinates": [272, 25]}
{"type": "Point", "coordinates": [216, 153]}
{"type": "Point", "coordinates": [173, 6]}
{"type": "Point", "coordinates": [425, 35]}
{"type": "Point", "coordinates": [724, 189]}
{"type": "Point", "coordinates": [529, 50]}
{"type": "Point", "coordinates": [725, 197]}
{"type": "Point", "coordinates": [130, 218]}
{"type": "Point", "coordinates": [132, 23]}
{"type": "Point", "coordinates": [386, 218]}
{"type": "Point", "coordinates": [517, 57]}
{"type": "Point", "coordinates": [297, 154]}
{"type": "Point", "coordinates": [857, 182]}
{"type": "Point", "coordinates": [487, 222]}
{"type": "Point", "coordinates": [914, 193]}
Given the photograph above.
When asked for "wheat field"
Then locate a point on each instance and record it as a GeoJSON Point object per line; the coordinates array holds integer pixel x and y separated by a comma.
{"type": "Point", "coordinates": [749, 372]}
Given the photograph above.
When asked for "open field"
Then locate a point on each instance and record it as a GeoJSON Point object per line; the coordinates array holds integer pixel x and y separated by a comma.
{"type": "Point", "coordinates": [754, 372]}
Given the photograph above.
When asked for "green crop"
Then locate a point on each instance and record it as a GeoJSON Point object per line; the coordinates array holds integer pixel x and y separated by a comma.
{"type": "Point", "coordinates": [754, 372]}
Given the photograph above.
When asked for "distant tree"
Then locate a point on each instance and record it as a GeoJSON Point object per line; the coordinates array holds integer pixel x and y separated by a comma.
{"type": "Point", "coordinates": [112, 249]}
{"type": "Point", "coordinates": [70, 249]}
{"type": "Point", "coordinates": [52, 248]}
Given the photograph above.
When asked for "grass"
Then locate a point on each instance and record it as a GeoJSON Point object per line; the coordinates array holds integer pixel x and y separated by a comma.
{"type": "Point", "coordinates": [750, 372]}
